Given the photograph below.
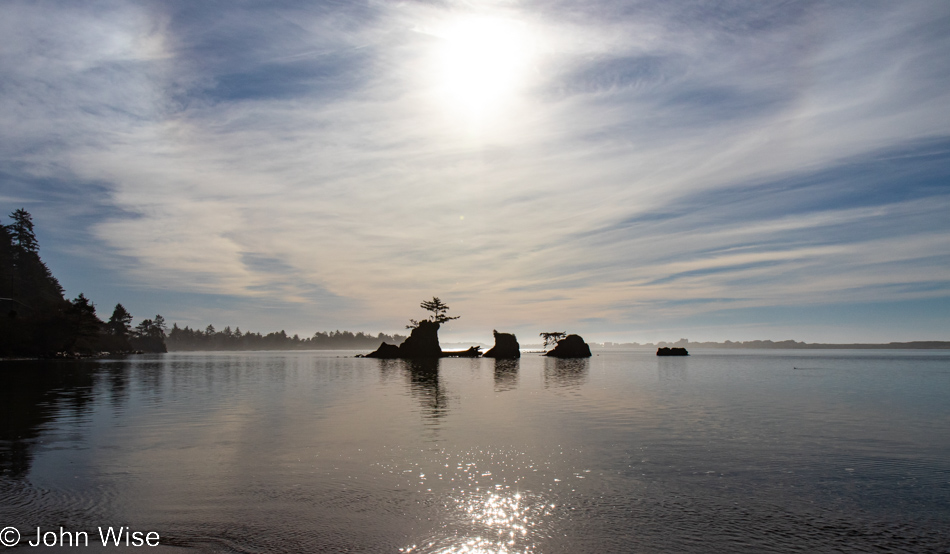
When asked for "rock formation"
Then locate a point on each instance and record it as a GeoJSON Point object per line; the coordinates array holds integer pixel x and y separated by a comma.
{"type": "Point", "coordinates": [506, 346]}
{"type": "Point", "coordinates": [423, 342]}
{"type": "Point", "coordinates": [674, 351]}
{"type": "Point", "coordinates": [385, 351]}
{"type": "Point", "coordinates": [571, 346]}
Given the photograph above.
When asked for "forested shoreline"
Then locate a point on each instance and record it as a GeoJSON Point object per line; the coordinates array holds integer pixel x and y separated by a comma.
{"type": "Point", "coordinates": [188, 339]}
{"type": "Point", "coordinates": [36, 319]}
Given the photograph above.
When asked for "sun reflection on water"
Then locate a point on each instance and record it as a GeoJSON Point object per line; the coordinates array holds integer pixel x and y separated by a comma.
{"type": "Point", "coordinates": [488, 500]}
{"type": "Point", "coordinates": [494, 522]}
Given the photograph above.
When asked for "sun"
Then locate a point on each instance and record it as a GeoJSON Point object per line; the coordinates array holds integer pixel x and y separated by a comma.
{"type": "Point", "coordinates": [482, 62]}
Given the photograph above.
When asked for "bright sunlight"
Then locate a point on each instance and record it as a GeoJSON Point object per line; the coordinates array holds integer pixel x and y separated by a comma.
{"type": "Point", "coordinates": [482, 62]}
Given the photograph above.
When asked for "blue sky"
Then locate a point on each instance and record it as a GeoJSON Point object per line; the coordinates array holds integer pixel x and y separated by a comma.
{"type": "Point", "coordinates": [632, 171]}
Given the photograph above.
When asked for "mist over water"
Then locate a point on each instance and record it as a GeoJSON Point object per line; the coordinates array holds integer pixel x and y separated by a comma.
{"type": "Point", "coordinates": [737, 451]}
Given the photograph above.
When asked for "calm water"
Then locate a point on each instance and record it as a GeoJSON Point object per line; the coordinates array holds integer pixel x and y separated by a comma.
{"type": "Point", "coordinates": [724, 451]}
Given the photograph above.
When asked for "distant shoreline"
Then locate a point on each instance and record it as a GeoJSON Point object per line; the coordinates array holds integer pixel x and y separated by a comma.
{"type": "Point", "coordinates": [788, 345]}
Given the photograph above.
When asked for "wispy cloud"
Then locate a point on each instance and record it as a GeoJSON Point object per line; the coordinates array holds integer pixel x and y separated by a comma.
{"type": "Point", "coordinates": [653, 161]}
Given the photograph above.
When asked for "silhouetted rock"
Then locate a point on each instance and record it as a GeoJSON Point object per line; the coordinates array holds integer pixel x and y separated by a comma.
{"type": "Point", "coordinates": [506, 346]}
{"type": "Point", "coordinates": [385, 351]}
{"type": "Point", "coordinates": [674, 351]}
{"type": "Point", "coordinates": [571, 346]}
{"type": "Point", "coordinates": [423, 342]}
{"type": "Point", "coordinates": [472, 352]}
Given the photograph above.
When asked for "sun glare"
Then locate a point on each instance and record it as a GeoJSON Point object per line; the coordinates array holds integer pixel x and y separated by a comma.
{"type": "Point", "coordinates": [482, 62]}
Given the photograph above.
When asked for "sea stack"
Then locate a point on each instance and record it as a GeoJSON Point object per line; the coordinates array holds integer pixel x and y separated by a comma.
{"type": "Point", "coordinates": [674, 351]}
{"type": "Point", "coordinates": [506, 346]}
{"type": "Point", "coordinates": [571, 346]}
{"type": "Point", "coordinates": [423, 342]}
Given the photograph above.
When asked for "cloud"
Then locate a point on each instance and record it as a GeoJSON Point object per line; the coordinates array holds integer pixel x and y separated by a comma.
{"type": "Point", "coordinates": [656, 158]}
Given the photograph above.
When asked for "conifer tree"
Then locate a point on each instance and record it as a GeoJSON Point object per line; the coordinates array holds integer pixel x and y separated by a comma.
{"type": "Point", "coordinates": [22, 230]}
{"type": "Point", "coordinates": [120, 324]}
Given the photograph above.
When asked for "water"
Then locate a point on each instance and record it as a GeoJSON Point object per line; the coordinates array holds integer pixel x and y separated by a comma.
{"type": "Point", "coordinates": [724, 451]}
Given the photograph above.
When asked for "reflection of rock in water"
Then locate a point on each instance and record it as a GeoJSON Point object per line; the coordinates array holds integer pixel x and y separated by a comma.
{"type": "Point", "coordinates": [425, 385]}
{"type": "Point", "coordinates": [389, 368]}
{"type": "Point", "coordinates": [565, 372]}
{"type": "Point", "coordinates": [671, 369]}
{"type": "Point", "coordinates": [506, 374]}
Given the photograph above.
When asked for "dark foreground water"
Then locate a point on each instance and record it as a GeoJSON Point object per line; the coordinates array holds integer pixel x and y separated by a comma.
{"type": "Point", "coordinates": [724, 451]}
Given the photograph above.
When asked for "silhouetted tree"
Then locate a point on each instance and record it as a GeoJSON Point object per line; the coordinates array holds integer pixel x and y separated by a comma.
{"type": "Point", "coordinates": [552, 338]}
{"type": "Point", "coordinates": [36, 318]}
{"type": "Point", "coordinates": [159, 325]}
{"type": "Point", "coordinates": [23, 276]}
{"type": "Point", "coordinates": [86, 325]}
{"type": "Point", "coordinates": [120, 324]}
{"type": "Point", "coordinates": [438, 309]}
{"type": "Point", "coordinates": [149, 335]}
{"type": "Point", "coordinates": [144, 328]}
{"type": "Point", "coordinates": [22, 231]}
{"type": "Point", "coordinates": [118, 331]}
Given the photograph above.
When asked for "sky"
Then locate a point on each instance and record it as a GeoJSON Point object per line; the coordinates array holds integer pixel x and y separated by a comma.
{"type": "Point", "coordinates": [626, 170]}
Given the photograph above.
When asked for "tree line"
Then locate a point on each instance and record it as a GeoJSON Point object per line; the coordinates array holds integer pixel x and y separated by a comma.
{"type": "Point", "coordinates": [36, 319]}
{"type": "Point", "coordinates": [186, 338]}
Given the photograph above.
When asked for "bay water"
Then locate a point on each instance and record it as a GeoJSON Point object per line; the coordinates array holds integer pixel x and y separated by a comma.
{"type": "Point", "coordinates": [320, 451]}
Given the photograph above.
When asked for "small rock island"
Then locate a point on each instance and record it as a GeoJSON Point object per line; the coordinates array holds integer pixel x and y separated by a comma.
{"type": "Point", "coordinates": [674, 351]}
{"type": "Point", "coordinates": [423, 342]}
{"type": "Point", "coordinates": [506, 346]}
{"type": "Point", "coordinates": [571, 346]}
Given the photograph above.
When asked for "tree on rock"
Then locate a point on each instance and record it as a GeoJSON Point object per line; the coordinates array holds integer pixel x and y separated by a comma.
{"type": "Point", "coordinates": [552, 338]}
{"type": "Point", "coordinates": [438, 309]}
{"type": "Point", "coordinates": [423, 342]}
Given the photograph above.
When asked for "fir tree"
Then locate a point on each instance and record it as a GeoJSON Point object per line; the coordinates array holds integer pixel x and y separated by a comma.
{"type": "Point", "coordinates": [120, 324]}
